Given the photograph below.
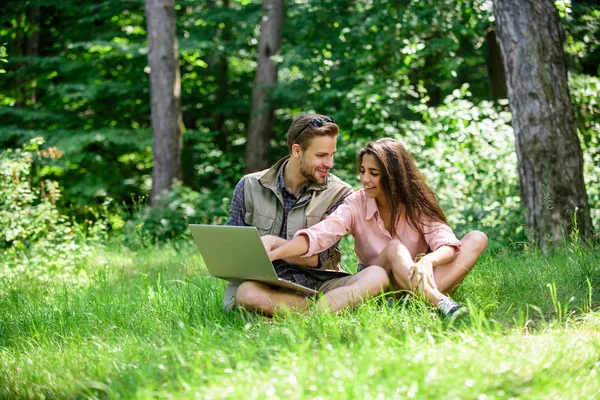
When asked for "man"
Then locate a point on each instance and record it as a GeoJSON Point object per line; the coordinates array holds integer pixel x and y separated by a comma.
{"type": "Point", "coordinates": [298, 192]}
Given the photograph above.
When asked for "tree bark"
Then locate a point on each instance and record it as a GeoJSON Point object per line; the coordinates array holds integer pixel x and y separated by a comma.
{"type": "Point", "coordinates": [260, 128]}
{"type": "Point", "coordinates": [548, 150]}
{"type": "Point", "coordinates": [165, 95]}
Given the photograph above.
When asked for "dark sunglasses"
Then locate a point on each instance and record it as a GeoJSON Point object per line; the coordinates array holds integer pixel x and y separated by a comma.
{"type": "Point", "coordinates": [317, 123]}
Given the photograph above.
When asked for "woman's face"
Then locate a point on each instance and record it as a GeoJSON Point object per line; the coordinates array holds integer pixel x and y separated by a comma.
{"type": "Point", "coordinates": [370, 177]}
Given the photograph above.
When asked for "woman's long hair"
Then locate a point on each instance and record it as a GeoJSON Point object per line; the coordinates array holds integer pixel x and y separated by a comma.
{"type": "Point", "coordinates": [403, 185]}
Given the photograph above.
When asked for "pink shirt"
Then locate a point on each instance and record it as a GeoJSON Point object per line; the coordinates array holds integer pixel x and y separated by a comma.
{"type": "Point", "coordinates": [359, 216]}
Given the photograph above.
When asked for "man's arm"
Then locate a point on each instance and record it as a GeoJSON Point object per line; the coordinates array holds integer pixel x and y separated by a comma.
{"type": "Point", "coordinates": [237, 208]}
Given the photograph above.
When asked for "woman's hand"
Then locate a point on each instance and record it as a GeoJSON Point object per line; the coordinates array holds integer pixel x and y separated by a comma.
{"type": "Point", "coordinates": [421, 273]}
{"type": "Point", "coordinates": [281, 249]}
{"type": "Point", "coordinates": [272, 242]}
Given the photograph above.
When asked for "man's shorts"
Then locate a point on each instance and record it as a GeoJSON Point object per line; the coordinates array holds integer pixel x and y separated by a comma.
{"type": "Point", "coordinates": [334, 283]}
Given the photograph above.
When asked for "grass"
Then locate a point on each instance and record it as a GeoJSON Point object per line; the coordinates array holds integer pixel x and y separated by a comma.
{"type": "Point", "coordinates": [149, 323]}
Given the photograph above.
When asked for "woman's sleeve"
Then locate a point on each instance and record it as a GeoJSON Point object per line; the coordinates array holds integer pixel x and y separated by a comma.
{"type": "Point", "coordinates": [328, 232]}
{"type": "Point", "coordinates": [438, 235]}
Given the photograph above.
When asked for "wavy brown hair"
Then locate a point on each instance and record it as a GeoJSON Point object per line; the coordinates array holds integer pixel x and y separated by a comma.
{"type": "Point", "coordinates": [403, 185]}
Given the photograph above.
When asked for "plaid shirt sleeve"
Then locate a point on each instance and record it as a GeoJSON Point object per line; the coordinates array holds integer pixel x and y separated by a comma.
{"type": "Point", "coordinates": [237, 208]}
{"type": "Point", "coordinates": [324, 255]}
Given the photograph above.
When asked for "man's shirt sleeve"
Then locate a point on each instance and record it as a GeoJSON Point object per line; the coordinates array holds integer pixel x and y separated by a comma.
{"type": "Point", "coordinates": [237, 208]}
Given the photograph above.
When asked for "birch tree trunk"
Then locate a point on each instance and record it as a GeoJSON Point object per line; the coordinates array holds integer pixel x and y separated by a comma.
{"type": "Point", "coordinates": [260, 128]}
{"type": "Point", "coordinates": [548, 150]}
{"type": "Point", "coordinates": [165, 93]}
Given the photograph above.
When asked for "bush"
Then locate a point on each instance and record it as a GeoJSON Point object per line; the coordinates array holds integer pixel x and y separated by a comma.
{"type": "Point", "coordinates": [181, 207]}
{"type": "Point", "coordinates": [28, 214]}
{"type": "Point", "coordinates": [467, 154]}
{"type": "Point", "coordinates": [37, 240]}
{"type": "Point", "coordinates": [584, 94]}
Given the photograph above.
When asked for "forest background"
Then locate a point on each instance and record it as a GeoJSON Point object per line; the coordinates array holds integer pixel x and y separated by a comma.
{"type": "Point", "coordinates": [103, 295]}
{"type": "Point", "coordinates": [76, 134]}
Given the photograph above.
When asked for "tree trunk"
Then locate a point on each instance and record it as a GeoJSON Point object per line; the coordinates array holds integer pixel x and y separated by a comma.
{"type": "Point", "coordinates": [165, 93]}
{"type": "Point", "coordinates": [548, 151]}
{"type": "Point", "coordinates": [261, 118]}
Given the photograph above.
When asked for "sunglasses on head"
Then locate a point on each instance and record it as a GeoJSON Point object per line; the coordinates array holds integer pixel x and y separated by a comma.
{"type": "Point", "coordinates": [317, 123]}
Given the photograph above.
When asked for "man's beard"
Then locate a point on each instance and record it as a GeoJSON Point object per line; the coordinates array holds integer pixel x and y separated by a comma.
{"type": "Point", "coordinates": [308, 174]}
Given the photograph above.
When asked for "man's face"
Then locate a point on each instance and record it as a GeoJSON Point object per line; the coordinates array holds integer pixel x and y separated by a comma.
{"type": "Point", "coordinates": [317, 159]}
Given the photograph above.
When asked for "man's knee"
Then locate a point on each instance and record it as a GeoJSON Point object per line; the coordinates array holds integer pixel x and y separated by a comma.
{"type": "Point", "coordinates": [250, 295]}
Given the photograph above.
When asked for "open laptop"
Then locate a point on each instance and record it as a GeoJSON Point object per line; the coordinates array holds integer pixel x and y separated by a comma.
{"type": "Point", "coordinates": [236, 254]}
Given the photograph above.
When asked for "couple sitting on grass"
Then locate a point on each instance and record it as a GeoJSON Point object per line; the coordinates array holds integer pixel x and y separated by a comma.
{"type": "Point", "coordinates": [301, 211]}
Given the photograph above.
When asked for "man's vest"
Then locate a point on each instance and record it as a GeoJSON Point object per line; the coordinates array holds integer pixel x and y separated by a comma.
{"type": "Point", "coordinates": [264, 205]}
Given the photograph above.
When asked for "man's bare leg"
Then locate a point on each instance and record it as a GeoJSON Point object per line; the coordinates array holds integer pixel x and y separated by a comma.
{"type": "Point", "coordinates": [260, 298]}
{"type": "Point", "coordinates": [449, 276]}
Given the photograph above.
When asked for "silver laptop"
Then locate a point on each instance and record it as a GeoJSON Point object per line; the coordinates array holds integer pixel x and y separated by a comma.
{"type": "Point", "coordinates": [236, 254]}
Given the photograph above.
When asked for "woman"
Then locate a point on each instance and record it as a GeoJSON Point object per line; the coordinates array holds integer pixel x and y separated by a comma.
{"type": "Point", "coordinates": [398, 225]}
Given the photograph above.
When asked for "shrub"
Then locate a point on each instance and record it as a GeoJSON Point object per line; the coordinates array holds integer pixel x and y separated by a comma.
{"type": "Point", "coordinates": [584, 94]}
{"type": "Point", "coordinates": [37, 240]}
{"type": "Point", "coordinates": [28, 214]}
{"type": "Point", "coordinates": [467, 154]}
{"type": "Point", "coordinates": [181, 207]}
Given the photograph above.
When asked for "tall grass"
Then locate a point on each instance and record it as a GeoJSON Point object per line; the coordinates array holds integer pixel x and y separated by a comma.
{"type": "Point", "coordinates": [149, 323]}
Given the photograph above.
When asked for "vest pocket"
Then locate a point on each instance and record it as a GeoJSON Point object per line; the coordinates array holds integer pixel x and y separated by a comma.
{"type": "Point", "coordinates": [263, 224]}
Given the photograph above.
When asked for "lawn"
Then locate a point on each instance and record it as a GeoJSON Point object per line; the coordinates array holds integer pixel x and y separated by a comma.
{"type": "Point", "coordinates": [125, 323]}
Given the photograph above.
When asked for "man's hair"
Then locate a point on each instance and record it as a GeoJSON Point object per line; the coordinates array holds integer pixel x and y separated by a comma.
{"type": "Point", "coordinates": [303, 130]}
{"type": "Point", "coordinates": [403, 185]}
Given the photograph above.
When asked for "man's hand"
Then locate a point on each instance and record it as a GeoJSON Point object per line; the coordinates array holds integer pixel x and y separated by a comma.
{"type": "Point", "coordinates": [272, 242]}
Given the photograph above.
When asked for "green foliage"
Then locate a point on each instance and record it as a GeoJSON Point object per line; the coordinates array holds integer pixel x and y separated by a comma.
{"type": "Point", "coordinates": [170, 220]}
{"type": "Point", "coordinates": [3, 56]}
{"type": "Point", "coordinates": [582, 24]}
{"type": "Point", "coordinates": [209, 166]}
{"type": "Point", "coordinates": [466, 152]}
{"type": "Point", "coordinates": [379, 68]}
{"type": "Point", "coordinates": [96, 166]}
{"type": "Point", "coordinates": [367, 62]}
{"type": "Point", "coordinates": [584, 94]}
{"type": "Point", "coordinates": [38, 242]}
{"type": "Point", "coordinates": [28, 214]}
{"type": "Point", "coordinates": [205, 203]}
{"type": "Point", "coordinates": [88, 95]}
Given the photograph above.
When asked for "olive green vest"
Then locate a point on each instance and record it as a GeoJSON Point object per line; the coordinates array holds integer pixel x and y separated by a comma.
{"type": "Point", "coordinates": [264, 205]}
